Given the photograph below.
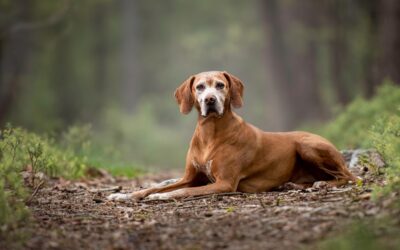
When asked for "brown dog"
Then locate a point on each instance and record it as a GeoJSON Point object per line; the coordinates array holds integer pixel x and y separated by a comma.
{"type": "Point", "coordinates": [227, 154]}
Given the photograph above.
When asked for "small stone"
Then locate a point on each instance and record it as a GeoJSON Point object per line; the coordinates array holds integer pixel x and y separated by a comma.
{"type": "Point", "coordinates": [208, 214]}
{"type": "Point", "coordinates": [365, 196]}
{"type": "Point", "coordinates": [97, 200]}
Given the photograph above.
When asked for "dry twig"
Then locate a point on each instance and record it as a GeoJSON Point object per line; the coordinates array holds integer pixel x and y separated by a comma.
{"type": "Point", "coordinates": [35, 192]}
{"type": "Point", "coordinates": [107, 189]}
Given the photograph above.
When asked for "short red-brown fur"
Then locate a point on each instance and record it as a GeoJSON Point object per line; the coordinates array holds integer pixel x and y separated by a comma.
{"type": "Point", "coordinates": [245, 158]}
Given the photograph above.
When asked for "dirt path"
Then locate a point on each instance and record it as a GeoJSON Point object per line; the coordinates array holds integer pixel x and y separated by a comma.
{"type": "Point", "coordinates": [73, 215]}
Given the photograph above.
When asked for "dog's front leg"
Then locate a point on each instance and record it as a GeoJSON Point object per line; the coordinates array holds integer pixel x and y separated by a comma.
{"type": "Point", "coordinates": [186, 181]}
{"type": "Point", "coordinates": [217, 187]}
{"type": "Point", "coordinates": [225, 181]}
{"type": "Point", "coordinates": [145, 192]}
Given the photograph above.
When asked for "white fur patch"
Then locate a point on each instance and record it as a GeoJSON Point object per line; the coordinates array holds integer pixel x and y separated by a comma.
{"type": "Point", "coordinates": [211, 91]}
{"type": "Point", "coordinates": [355, 158]}
{"type": "Point", "coordinates": [206, 169]}
{"type": "Point", "coordinates": [119, 197]}
{"type": "Point", "coordinates": [196, 165]}
{"type": "Point", "coordinates": [162, 196]}
{"type": "Point", "coordinates": [165, 196]}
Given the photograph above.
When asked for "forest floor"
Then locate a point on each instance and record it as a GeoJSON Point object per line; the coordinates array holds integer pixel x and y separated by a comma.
{"type": "Point", "coordinates": [77, 215]}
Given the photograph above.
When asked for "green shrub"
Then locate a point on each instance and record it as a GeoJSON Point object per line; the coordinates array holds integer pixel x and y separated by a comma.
{"type": "Point", "coordinates": [12, 191]}
{"type": "Point", "coordinates": [66, 156]}
{"type": "Point", "coordinates": [367, 235]}
{"type": "Point", "coordinates": [373, 124]}
{"type": "Point", "coordinates": [385, 137]}
{"type": "Point", "coordinates": [350, 129]}
{"type": "Point", "coordinates": [21, 150]}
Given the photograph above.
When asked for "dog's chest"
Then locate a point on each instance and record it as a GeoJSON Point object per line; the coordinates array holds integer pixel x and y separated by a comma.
{"type": "Point", "coordinates": [205, 169]}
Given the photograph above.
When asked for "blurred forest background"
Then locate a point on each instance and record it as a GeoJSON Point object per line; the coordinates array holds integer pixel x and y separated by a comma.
{"type": "Point", "coordinates": [115, 65]}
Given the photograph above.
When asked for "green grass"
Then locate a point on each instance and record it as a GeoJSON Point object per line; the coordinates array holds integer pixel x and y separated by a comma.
{"type": "Point", "coordinates": [375, 124]}
{"type": "Point", "coordinates": [100, 154]}
{"type": "Point", "coordinates": [67, 155]}
{"type": "Point", "coordinates": [22, 150]}
{"type": "Point", "coordinates": [371, 123]}
{"type": "Point", "coordinates": [118, 169]}
{"type": "Point", "coordinates": [367, 235]}
{"type": "Point", "coordinates": [352, 126]}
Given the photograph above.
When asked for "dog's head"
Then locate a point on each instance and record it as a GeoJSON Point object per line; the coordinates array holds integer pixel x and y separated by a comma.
{"type": "Point", "coordinates": [210, 92]}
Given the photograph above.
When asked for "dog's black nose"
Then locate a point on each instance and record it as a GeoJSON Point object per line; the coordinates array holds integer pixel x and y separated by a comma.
{"type": "Point", "coordinates": [210, 100]}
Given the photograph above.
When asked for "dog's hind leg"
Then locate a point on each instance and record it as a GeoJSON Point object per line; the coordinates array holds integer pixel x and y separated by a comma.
{"type": "Point", "coordinates": [330, 183]}
{"type": "Point", "coordinates": [324, 156]}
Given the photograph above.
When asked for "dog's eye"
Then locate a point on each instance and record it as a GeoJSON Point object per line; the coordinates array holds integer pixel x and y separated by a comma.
{"type": "Point", "coordinates": [220, 85]}
{"type": "Point", "coordinates": [200, 87]}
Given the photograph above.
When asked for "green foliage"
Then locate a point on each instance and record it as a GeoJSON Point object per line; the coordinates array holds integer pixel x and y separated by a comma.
{"type": "Point", "coordinates": [12, 192]}
{"type": "Point", "coordinates": [21, 150]}
{"type": "Point", "coordinates": [91, 148]}
{"type": "Point", "coordinates": [67, 156]}
{"type": "Point", "coordinates": [376, 124]}
{"type": "Point", "coordinates": [230, 209]}
{"type": "Point", "coordinates": [385, 137]}
{"type": "Point", "coordinates": [350, 128]}
{"type": "Point", "coordinates": [366, 235]}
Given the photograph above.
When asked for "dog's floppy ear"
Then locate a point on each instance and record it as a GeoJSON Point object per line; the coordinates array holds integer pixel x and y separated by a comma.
{"type": "Point", "coordinates": [183, 95]}
{"type": "Point", "coordinates": [236, 88]}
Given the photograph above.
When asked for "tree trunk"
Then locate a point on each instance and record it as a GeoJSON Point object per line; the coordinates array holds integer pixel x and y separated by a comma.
{"type": "Point", "coordinates": [388, 59]}
{"type": "Point", "coordinates": [100, 54]}
{"type": "Point", "coordinates": [294, 70]}
{"type": "Point", "coordinates": [278, 64]}
{"type": "Point", "coordinates": [15, 48]}
{"type": "Point", "coordinates": [129, 54]}
{"type": "Point", "coordinates": [338, 53]}
{"type": "Point", "coordinates": [371, 8]}
{"type": "Point", "coordinates": [309, 106]}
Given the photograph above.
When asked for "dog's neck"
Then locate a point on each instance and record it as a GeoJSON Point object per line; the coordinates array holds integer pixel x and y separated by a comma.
{"type": "Point", "coordinates": [209, 128]}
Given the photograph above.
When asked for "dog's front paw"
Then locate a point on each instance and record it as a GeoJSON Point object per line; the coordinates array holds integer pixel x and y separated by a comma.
{"type": "Point", "coordinates": [139, 195]}
{"type": "Point", "coordinates": [119, 197]}
{"type": "Point", "coordinates": [162, 196]}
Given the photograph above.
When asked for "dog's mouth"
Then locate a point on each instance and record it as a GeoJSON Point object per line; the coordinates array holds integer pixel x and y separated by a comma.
{"type": "Point", "coordinates": [211, 111]}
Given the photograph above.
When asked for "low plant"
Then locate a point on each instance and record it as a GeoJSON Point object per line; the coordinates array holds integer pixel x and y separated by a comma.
{"type": "Point", "coordinates": [351, 127]}
{"type": "Point", "coordinates": [23, 151]}
{"type": "Point", "coordinates": [375, 124]}
{"type": "Point", "coordinates": [26, 157]}
{"type": "Point", "coordinates": [385, 137]}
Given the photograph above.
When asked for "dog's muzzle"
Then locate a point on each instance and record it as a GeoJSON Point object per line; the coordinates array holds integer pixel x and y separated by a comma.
{"type": "Point", "coordinates": [211, 105]}
{"type": "Point", "coordinates": [211, 102]}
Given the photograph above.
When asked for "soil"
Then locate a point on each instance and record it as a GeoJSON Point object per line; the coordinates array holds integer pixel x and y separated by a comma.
{"type": "Point", "coordinates": [77, 215]}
